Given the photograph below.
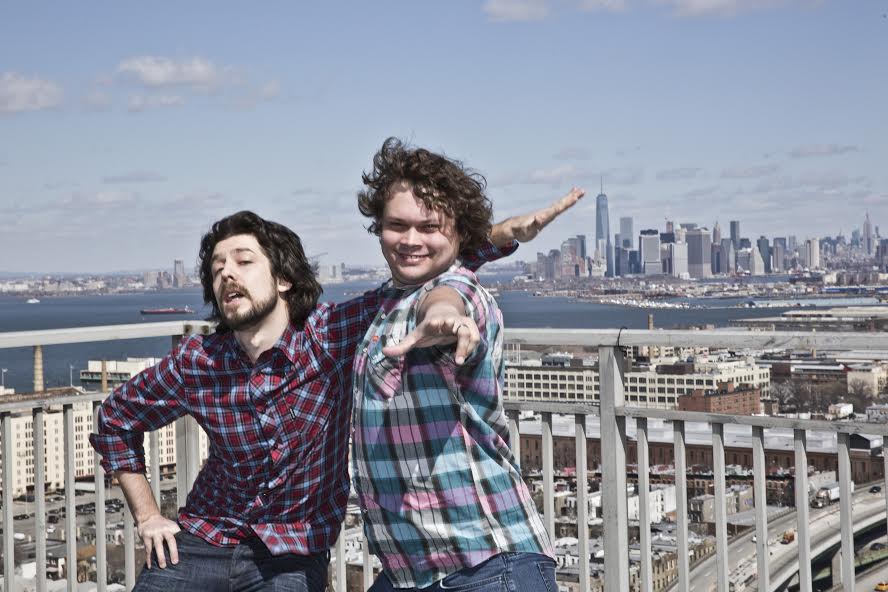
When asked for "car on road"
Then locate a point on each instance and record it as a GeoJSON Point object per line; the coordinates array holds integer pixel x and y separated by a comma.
{"type": "Point", "coordinates": [875, 489]}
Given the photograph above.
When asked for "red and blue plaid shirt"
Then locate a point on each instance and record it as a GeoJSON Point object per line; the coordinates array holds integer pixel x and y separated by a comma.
{"type": "Point", "coordinates": [278, 429]}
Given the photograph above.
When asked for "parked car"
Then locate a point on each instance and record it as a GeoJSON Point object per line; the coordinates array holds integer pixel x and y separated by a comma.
{"type": "Point", "coordinates": [875, 489]}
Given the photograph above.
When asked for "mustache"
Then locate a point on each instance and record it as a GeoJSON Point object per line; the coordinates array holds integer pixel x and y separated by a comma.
{"type": "Point", "coordinates": [231, 287]}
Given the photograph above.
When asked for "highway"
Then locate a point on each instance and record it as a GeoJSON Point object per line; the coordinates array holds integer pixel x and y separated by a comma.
{"type": "Point", "coordinates": [824, 531]}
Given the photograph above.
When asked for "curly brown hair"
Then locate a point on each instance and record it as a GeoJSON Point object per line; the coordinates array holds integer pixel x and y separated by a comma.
{"type": "Point", "coordinates": [440, 183]}
{"type": "Point", "coordinates": [283, 249]}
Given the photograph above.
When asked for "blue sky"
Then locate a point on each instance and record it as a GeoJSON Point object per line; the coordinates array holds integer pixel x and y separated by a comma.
{"type": "Point", "coordinates": [126, 129]}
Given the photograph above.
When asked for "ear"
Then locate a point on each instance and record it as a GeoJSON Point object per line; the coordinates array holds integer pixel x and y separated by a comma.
{"type": "Point", "coordinates": [283, 286]}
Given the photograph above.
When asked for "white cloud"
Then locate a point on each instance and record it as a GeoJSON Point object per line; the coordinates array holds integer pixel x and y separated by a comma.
{"type": "Point", "coordinates": [516, 10]}
{"type": "Point", "coordinates": [724, 8]}
{"type": "Point", "coordinates": [679, 174]}
{"type": "Point", "coordinates": [158, 72]}
{"type": "Point", "coordinates": [810, 150]}
{"type": "Point", "coordinates": [750, 172]}
{"type": "Point", "coordinates": [139, 103]}
{"type": "Point", "coordinates": [19, 93]}
{"type": "Point", "coordinates": [134, 177]}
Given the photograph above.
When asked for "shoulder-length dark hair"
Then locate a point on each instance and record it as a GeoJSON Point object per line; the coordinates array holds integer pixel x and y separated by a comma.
{"type": "Point", "coordinates": [283, 249]}
{"type": "Point", "coordinates": [440, 183]}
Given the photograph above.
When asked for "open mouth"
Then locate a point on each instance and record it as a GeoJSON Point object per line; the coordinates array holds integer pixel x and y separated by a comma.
{"type": "Point", "coordinates": [233, 296]}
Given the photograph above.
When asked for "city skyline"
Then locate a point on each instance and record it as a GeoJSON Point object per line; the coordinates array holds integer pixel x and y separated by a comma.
{"type": "Point", "coordinates": [121, 145]}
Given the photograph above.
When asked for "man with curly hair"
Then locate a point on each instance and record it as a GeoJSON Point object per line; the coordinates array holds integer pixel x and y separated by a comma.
{"type": "Point", "coordinates": [444, 504]}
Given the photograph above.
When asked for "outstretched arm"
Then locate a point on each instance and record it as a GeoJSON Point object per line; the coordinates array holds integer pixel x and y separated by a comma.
{"type": "Point", "coordinates": [526, 227]}
{"type": "Point", "coordinates": [442, 320]}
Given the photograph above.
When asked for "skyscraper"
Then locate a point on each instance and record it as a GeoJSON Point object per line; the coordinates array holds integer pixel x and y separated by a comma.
{"type": "Point", "coordinates": [602, 229]}
{"type": "Point", "coordinates": [716, 234]}
{"type": "Point", "coordinates": [626, 232]}
{"type": "Point", "coordinates": [764, 248]}
{"type": "Point", "coordinates": [649, 252]}
{"type": "Point", "coordinates": [869, 243]}
{"type": "Point", "coordinates": [179, 277]}
{"type": "Point", "coordinates": [699, 252]}
{"type": "Point", "coordinates": [735, 234]}
{"type": "Point", "coordinates": [812, 253]}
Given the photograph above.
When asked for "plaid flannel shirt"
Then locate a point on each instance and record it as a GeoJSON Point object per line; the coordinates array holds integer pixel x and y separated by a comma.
{"type": "Point", "coordinates": [438, 484]}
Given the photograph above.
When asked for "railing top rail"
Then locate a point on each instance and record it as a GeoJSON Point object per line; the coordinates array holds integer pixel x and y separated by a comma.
{"type": "Point", "coordinates": [763, 421]}
{"type": "Point", "coordinates": [728, 338]}
{"type": "Point", "coordinates": [28, 401]}
{"type": "Point", "coordinates": [102, 333]}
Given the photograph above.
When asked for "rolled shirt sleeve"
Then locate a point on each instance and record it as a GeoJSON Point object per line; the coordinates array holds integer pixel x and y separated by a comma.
{"type": "Point", "coordinates": [147, 402]}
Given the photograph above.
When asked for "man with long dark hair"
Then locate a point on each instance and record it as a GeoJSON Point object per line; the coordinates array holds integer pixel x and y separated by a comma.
{"type": "Point", "coordinates": [271, 388]}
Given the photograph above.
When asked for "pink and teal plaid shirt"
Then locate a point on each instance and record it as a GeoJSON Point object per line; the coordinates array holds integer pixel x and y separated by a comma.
{"type": "Point", "coordinates": [438, 484]}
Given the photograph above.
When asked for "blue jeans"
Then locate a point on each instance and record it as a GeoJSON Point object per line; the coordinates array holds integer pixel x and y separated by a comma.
{"type": "Point", "coordinates": [248, 567]}
{"type": "Point", "coordinates": [506, 572]}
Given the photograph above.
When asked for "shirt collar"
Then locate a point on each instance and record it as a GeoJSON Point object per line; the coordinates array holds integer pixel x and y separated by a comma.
{"type": "Point", "coordinates": [288, 344]}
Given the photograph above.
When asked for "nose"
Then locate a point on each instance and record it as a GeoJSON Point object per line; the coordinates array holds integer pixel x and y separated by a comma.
{"type": "Point", "coordinates": [410, 237]}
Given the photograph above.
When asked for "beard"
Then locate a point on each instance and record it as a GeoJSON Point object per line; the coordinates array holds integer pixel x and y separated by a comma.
{"type": "Point", "coordinates": [257, 312]}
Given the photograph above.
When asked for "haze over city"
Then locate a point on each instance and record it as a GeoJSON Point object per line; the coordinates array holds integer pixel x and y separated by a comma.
{"type": "Point", "coordinates": [127, 129]}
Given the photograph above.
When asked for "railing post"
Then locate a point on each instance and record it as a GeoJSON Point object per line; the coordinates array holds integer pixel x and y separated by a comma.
{"type": "Point", "coordinates": [642, 453]}
{"type": "Point", "coordinates": [339, 562]}
{"type": "Point", "coordinates": [548, 475]}
{"type": "Point", "coordinates": [582, 502]}
{"type": "Point", "coordinates": [803, 540]}
{"type": "Point", "coordinates": [760, 492]}
{"type": "Point", "coordinates": [40, 492]}
{"type": "Point", "coordinates": [721, 511]}
{"type": "Point", "coordinates": [681, 505]}
{"type": "Point", "coordinates": [70, 497]}
{"type": "Point", "coordinates": [8, 530]}
{"type": "Point", "coordinates": [515, 435]}
{"type": "Point", "coordinates": [99, 483]}
{"type": "Point", "coordinates": [613, 464]}
{"type": "Point", "coordinates": [187, 451]}
{"type": "Point", "coordinates": [845, 513]}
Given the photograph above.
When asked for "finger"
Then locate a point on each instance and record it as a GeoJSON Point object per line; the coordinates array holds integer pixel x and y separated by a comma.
{"type": "Point", "coordinates": [467, 340]}
{"type": "Point", "coordinates": [405, 345]}
{"type": "Point", "coordinates": [158, 550]}
{"type": "Point", "coordinates": [171, 545]}
{"type": "Point", "coordinates": [148, 546]}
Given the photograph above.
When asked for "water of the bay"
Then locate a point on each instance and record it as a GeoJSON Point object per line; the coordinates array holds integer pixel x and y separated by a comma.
{"type": "Point", "coordinates": [62, 363]}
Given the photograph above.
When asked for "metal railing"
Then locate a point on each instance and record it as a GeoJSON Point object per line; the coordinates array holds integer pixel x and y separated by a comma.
{"type": "Point", "coordinates": [613, 415]}
{"type": "Point", "coordinates": [38, 405]}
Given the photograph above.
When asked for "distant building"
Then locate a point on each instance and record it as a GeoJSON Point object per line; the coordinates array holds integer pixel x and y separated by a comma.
{"type": "Point", "coordinates": [179, 277]}
{"type": "Point", "coordinates": [602, 231]}
{"type": "Point", "coordinates": [869, 242]}
{"type": "Point", "coordinates": [726, 398]}
{"type": "Point", "coordinates": [735, 234]}
{"type": "Point", "coordinates": [812, 253]}
{"type": "Point", "coordinates": [699, 252]}
{"type": "Point", "coordinates": [764, 249]}
{"type": "Point", "coordinates": [626, 232]}
{"type": "Point", "coordinates": [649, 252]}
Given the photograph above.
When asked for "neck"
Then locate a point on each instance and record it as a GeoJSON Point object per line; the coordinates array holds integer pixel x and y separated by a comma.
{"type": "Point", "coordinates": [257, 339]}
